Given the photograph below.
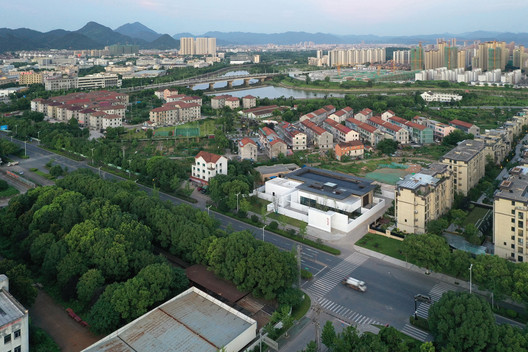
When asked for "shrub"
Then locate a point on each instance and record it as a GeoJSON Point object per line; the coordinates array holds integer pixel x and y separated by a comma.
{"type": "Point", "coordinates": [255, 218]}
{"type": "Point", "coordinates": [273, 225]}
{"type": "Point", "coordinates": [305, 274]}
{"type": "Point", "coordinates": [242, 214]}
{"type": "Point", "coordinates": [3, 185]}
{"type": "Point", "coordinates": [511, 313]}
{"type": "Point", "coordinates": [291, 232]}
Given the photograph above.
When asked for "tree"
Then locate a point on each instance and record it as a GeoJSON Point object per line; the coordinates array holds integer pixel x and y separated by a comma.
{"type": "Point", "coordinates": [493, 273]}
{"type": "Point", "coordinates": [455, 137]}
{"type": "Point", "coordinates": [88, 284]}
{"type": "Point", "coordinates": [472, 234]}
{"type": "Point", "coordinates": [462, 322]}
{"type": "Point", "coordinates": [328, 335]}
{"type": "Point", "coordinates": [149, 133]}
{"type": "Point", "coordinates": [458, 216]}
{"type": "Point", "coordinates": [520, 279]}
{"type": "Point", "coordinates": [20, 282]}
{"type": "Point", "coordinates": [437, 227]}
{"type": "Point", "coordinates": [56, 171]}
{"type": "Point", "coordinates": [387, 146]}
{"type": "Point", "coordinates": [430, 251]}
{"type": "Point", "coordinates": [3, 185]}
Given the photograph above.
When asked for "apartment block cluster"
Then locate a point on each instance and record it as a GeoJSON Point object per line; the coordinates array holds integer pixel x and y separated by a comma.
{"type": "Point", "coordinates": [487, 56]}
{"type": "Point", "coordinates": [177, 109]}
{"type": "Point", "coordinates": [474, 77]}
{"type": "Point", "coordinates": [348, 57]}
{"type": "Point", "coordinates": [425, 196]}
{"type": "Point", "coordinates": [219, 101]}
{"type": "Point", "coordinates": [341, 130]}
{"type": "Point", "coordinates": [97, 110]}
{"type": "Point", "coordinates": [510, 211]}
{"type": "Point", "coordinates": [199, 46]}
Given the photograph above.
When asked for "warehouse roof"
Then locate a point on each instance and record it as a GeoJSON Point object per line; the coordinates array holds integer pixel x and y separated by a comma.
{"type": "Point", "coordinates": [191, 321]}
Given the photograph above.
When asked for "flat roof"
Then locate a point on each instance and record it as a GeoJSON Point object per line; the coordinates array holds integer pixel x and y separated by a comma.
{"type": "Point", "coordinates": [417, 180]}
{"type": "Point", "coordinates": [465, 150]}
{"type": "Point", "coordinates": [273, 169]}
{"type": "Point", "coordinates": [10, 308]}
{"type": "Point", "coordinates": [316, 181]}
{"type": "Point", "coordinates": [516, 186]}
{"type": "Point", "coordinates": [191, 321]}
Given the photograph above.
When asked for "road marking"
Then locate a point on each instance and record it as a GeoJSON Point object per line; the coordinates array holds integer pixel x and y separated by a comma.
{"type": "Point", "coordinates": [418, 334]}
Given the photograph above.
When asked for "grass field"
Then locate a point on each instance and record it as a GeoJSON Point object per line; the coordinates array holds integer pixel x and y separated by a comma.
{"type": "Point", "coordinates": [8, 192]}
{"type": "Point", "coordinates": [474, 215]}
{"type": "Point", "coordinates": [289, 221]}
{"type": "Point", "coordinates": [381, 244]}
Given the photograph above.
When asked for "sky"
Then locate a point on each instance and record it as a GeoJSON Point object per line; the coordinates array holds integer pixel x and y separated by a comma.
{"type": "Point", "coordinates": [380, 17]}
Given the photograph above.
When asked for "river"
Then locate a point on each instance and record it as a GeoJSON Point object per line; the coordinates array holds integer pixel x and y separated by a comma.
{"type": "Point", "coordinates": [264, 91]}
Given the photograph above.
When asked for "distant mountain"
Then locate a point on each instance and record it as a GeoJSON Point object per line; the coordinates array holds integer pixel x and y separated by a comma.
{"type": "Point", "coordinates": [106, 36]}
{"type": "Point", "coordinates": [96, 36]}
{"type": "Point", "coordinates": [139, 31]}
{"type": "Point", "coordinates": [165, 42]}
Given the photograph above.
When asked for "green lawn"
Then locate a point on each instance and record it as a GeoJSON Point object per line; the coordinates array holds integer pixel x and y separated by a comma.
{"type": "Point", "coordinates": [43, 174]}
{"type": "Point", "coordinates": [289, 221]}
{"type": "Point", "coordinates": [303, 308]}
{"type": "Point", "coordinates": [381, 244]}
{"type": "Point", "coordinates": [256, 205]}
{"type": "Point", "coordinates": [474, 215]}
{"type": "Point", "coordinates": [10, 191]}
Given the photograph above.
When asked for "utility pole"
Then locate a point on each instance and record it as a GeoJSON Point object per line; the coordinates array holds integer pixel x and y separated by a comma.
{"type": "Point", "coordinates": [470, 267]}
{"type": "Point", "coordinates": [25, 148]}
{"type": "Point", "coordinates": [299, 248]}
{"type": "Point", "coordinates": [317, 310]}
{"type": "Point", "coordinates": [92, 155]}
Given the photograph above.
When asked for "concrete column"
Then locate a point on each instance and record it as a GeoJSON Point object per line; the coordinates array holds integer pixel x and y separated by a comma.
{"type": "Point", "coordinates": [229, 84]}
{"type": "Point", "coordinates": [211, 86]}
{"type": "Point", "coordinates": [246, 82]}
{"type": "Point", "coordinates": [260, 80]}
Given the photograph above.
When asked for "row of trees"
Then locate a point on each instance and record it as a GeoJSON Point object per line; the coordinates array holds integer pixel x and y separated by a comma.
{"type": "Point", "coordinates": [464, 322]}
{"type": "Point", "coordinates": [490, 272]}
{"type": "Point", "coordinates": [94, 240]}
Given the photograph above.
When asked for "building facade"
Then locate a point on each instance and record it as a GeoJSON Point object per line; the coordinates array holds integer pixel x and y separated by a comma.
{"type": "Point", "coordinates": [208, 165]}
{"type": "Point", "coordinates": [468, 163]}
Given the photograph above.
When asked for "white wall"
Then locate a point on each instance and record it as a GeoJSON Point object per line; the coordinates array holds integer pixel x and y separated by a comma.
{"type": "Point", "coordinates": [242, 340]}
{"type": "Point", "coordinates": [320, 220]}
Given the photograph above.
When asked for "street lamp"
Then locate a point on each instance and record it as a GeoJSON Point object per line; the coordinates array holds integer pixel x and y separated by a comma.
{"type": "Point", "coordinates": [38, 137]}
{"type": "Point", "coordinates": [209, 207]}
{"type": "Point", "coordinates": [470, 267]}
{"type": "Point", "coordinates": [237, 200]}
{"type": "Point", "coordinates": [129, 161]}
{"type": "Point", "coordinates": [263, 227]}
{"type": "Point", "coordinates": [92, 155]}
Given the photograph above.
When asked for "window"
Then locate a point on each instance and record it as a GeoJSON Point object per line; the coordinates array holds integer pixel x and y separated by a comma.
{"type": "Point", "coordinates": [17, 334]}
{"type": "Point", "coordinates": [520, 224]}
{"type": "Point", "coordinates": [513, 220]}
{"type": "Point", "coordinates": [513, 228]}
{"type": "Point", "coordinates": [7, 339]}
{"type": "Point", "coordinates": [513, 211]}
{"type": "Point", "coordinates": [513, 245]}
{"type": "Point", "coordinates": [520, 215]}
{"type": "Point", "coordinates": [513, 203]}
{"type": "Point", "coordinates": [18, 349]}
{"type": "Point", "coordinates": [520, 258]}
{"type": "Point", "coordinates": [513, 237]}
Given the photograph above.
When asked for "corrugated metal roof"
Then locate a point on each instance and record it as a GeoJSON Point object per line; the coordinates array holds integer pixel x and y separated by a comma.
{"type": "Point", "coordinates": [10, 309]}
{"type": "Point", "coordinates": [192, 321]}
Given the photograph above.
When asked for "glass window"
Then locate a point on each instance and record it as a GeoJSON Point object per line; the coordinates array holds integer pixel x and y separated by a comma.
{"type": "Point", "coordinates": [17, 333]}
{"type": "Point", "coordinates": [18, 349]}
{"type": "Point", "coordinates": [7, 338]}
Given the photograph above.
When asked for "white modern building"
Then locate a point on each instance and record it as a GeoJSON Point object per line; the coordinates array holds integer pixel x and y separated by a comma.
{"type": "Point", "coordinates": [326, 200]}
{"type": "Point", "coordinates": [440, 97]}
{"type": "Point", "coordinates": [14, 321]}
{"type": "Point", "coordinates": [191, 321]}
{"type": "Point", "coordinates": [208, 165]}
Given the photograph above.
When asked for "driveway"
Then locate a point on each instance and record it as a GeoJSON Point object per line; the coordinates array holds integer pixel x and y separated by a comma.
{"type": "Point", "coordinates": [66, 332]}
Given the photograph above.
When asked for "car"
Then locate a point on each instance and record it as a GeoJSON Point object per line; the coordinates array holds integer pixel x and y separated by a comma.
{"type": "Point", "coordinates": [21, 172]}
{"type": "Point", "coordinates": [423, 298]}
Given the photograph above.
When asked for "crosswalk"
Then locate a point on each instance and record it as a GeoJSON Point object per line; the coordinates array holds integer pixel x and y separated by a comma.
{"type": "Point", "coordinates": [344, 313]}
{"type": "Point", "coordinates": [435, 293]}
{"type": "Point", "coordinates": [418, 334]}
{"type": "Point", "coordinates": [325, 283]}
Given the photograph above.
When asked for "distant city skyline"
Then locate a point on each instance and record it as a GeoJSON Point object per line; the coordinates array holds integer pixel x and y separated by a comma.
{"type": "Point", "coordinates": [383, 17]}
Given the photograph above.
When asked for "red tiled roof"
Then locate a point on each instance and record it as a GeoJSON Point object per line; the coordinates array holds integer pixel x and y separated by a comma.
{"type": "Point", "coordinates": [208, 157]}
{"type": "Point", "coordinates": [362, 125]}
{"type": "Point", "coordinates": [245, 141]}
{"type": "Point", "coordinates": [329, 108]}
{"type": "Point", "coordinates": [461, 123]}
{"type": "Point", "coordinates": [378, 121]}
{"type": "Point", "coordinates": [232, 99]}
{"type": "Point", "coordinates": [249, 97]}
{"type": "Point", "coordinates": [351, 144]}
{"type": "Point", "coordinates": [340, 113]}
{"type": "Point", "coordinates": [399, 119]}
{"type": "Point", "coordinates": [276, 140]}
{"type": "Point", "coordinates": [416, 125]}
{"type": "Point", "coordinates": [268, 131]}
{"type": "Point", "coordinates": [309, 124]}
{"type": "Point", "coordinates": [365, 111]}
{"type": "Point", "coordinates": [319, 112]}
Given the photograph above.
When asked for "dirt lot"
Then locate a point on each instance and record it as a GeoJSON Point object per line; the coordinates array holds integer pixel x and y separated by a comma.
{"type": "Point", "coordinates": [67, 333]}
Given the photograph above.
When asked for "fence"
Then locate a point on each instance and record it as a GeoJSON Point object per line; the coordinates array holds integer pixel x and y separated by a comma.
{"type": "Point", "coordinates": [20, 179]}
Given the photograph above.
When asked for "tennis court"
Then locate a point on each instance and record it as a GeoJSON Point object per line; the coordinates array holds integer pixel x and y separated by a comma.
{"type": "Point", "coordinates": [392, 173]}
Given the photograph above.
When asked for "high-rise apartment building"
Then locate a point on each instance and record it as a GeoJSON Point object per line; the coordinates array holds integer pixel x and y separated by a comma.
{"type": "Point", "coordinates": [200, 46]}
{"type": "Point", "coordinates": [352, 57]}
{"type": "Point", "coordinates": [417, 58]}
{"type": "Point", "coordinates": [491, 55]}
{"type": "Point", "coordinates": [401, 57]}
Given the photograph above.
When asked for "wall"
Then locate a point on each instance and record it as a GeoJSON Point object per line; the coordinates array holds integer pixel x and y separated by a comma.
{"type": "Point", "coordinates": [242, 340]}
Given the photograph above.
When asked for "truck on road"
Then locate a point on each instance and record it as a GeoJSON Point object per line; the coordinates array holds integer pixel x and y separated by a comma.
{"type": "Point", "coordinates": [355, 284]}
